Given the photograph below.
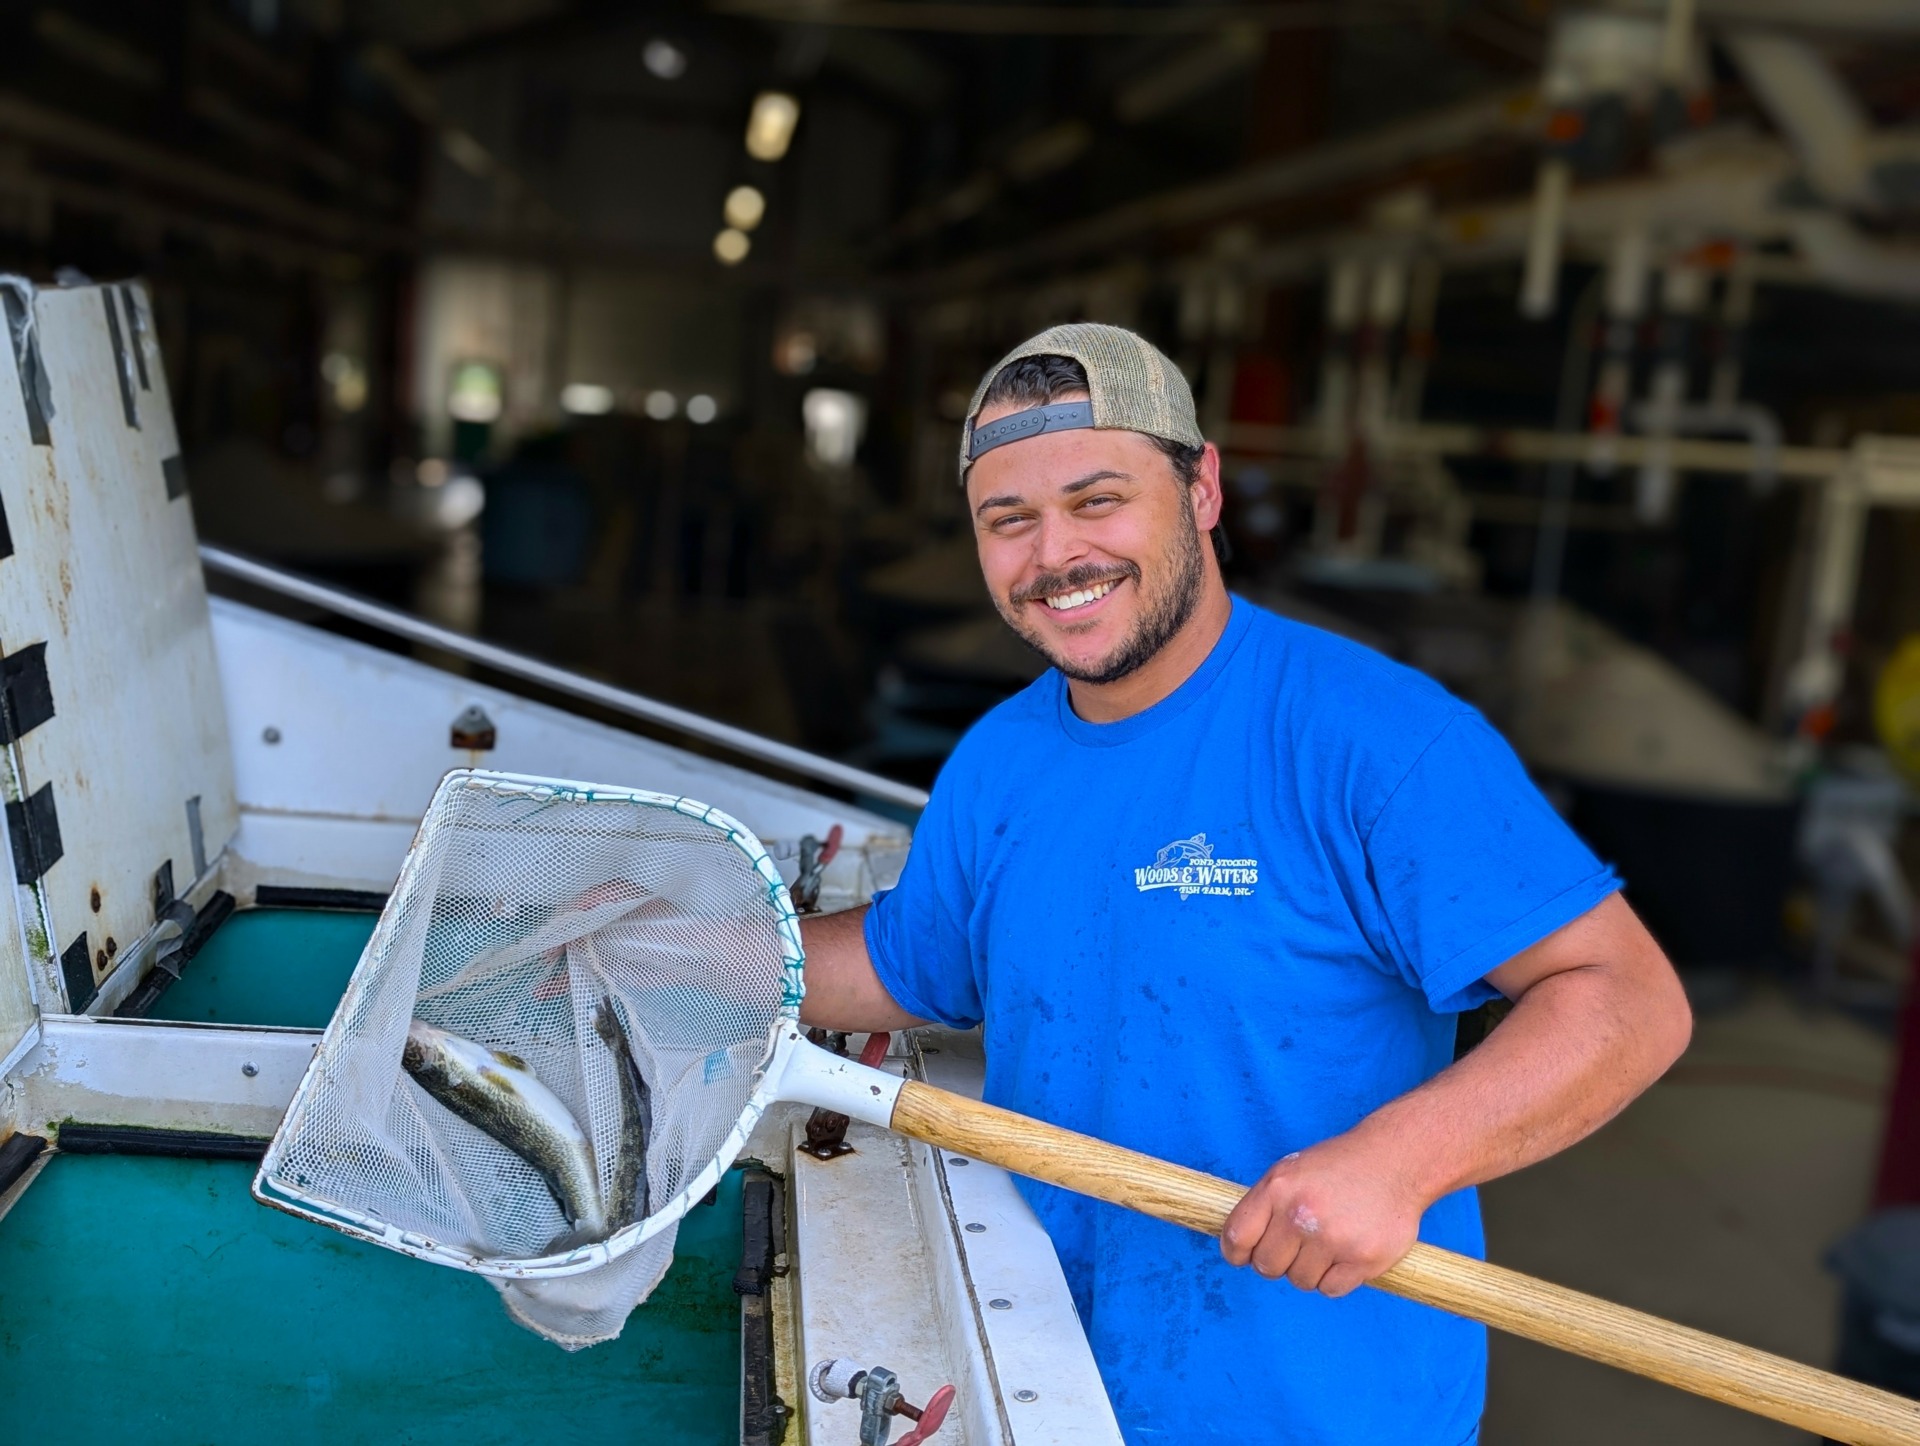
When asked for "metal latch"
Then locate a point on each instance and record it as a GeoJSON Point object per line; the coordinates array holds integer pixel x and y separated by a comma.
{"type": "Point", "coordinates": [815, 855]}
{"type": "Point", "coordinates": [473, 730]}
{"type": "Point", "coordinates": [877, 1390]}
{"type": "Point", "coordinates": [827, 1129]}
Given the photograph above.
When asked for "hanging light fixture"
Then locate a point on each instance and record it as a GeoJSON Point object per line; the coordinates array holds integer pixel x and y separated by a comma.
{"type": "Point", "coordinates": [664, 59]}
{"type": "Point", "coordinates": [731, 247]}
{"type": "Point", "coordinates": [770, 125]}
{"type": "Point", "coordinates": [744, 208]}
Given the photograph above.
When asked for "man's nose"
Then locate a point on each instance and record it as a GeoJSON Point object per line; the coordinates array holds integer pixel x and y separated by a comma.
{"type": "Point", "coordinates": [1057, 543]}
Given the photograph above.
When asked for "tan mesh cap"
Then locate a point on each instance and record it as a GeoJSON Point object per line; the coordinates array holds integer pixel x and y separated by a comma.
{"type": "Point", "coordinates": [1133, 385]}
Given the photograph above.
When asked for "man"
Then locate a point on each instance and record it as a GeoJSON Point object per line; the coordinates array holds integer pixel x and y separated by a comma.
{"type": "Point", "coordinates": [1218, 886]}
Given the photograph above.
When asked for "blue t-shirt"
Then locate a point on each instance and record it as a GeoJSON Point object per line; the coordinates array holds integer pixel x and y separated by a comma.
{"type": "Point", "coordinates": [1218, 931]}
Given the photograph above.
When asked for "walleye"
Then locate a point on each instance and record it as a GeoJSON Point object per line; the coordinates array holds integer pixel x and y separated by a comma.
{"type": "Point", "coordinates": [499, 1095]}
{"type": "Point", "coordinates": [629, 1201]}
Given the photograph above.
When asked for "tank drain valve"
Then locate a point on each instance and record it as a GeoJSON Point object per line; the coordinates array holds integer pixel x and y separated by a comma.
{"type": "Point", "coordinates": [877, 1390]}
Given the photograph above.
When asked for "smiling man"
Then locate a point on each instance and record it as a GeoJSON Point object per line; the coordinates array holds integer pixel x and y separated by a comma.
{"type": "Point", "coordinates": [1218, 886]}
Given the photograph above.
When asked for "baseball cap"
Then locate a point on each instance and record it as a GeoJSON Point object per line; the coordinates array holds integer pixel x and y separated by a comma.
{"type": "Point", "coordinates": [1131, 384]}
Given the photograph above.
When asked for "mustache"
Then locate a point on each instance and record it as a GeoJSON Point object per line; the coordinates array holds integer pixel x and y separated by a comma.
{"type": "Point", "coordinates": [1088, 574]}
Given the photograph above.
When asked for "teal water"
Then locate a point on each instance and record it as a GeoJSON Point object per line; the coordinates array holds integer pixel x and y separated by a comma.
{"type": "Point", "coordinates": [270, 966]}
{"type": "Point", "coordinates": [155, 1301]}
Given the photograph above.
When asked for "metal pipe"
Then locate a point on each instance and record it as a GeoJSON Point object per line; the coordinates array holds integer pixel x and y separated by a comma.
{"type": "Point", "coordinates": [1576, 374]}
{"type": "Point", "coordinates": [1626, 288]}
{"type": "Point", "coordinates": [1448, 439]}
{"type": "Point", "coordinates": [1676, 44]}
{"type": "Point", "coordinates": [1375, 152]}
{"type": "Point", "coordinates": [532, 670]}
{"type": "Point", "coordinates": [1833, 589]}
{"type": "Point", "coordinates": [1344, 287]}
{"type": "Point", "coordinates": [1847, 259]}
{"type": "Point", "coordinates": [1540, 276]}
{"type": "Point", "coordinates": [1682, 296]}
{"type": "Point", "coordinates": [1759, 425]}
{"type": "Point", "coordinates": [1736, 311]}
{"type": "Point", "coordinates": [1806, 98]}
{"type": "Point", "coordinates": [1423, 302]}
{"type": "Point", "coordinates": [1386, 305]}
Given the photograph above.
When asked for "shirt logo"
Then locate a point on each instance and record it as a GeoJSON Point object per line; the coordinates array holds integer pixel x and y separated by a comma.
{"type": "Point", "coordinates": [1188, 864]}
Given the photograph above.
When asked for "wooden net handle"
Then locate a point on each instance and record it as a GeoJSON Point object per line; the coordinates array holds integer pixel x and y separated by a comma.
{"type": "Point", "coordinates": [1647, 1345]}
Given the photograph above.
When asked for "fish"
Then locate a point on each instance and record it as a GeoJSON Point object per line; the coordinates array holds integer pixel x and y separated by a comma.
{"type": "Point", "coordinates": [499, 1095]}
{"type": "Point", "coordinates": [628, 1199]}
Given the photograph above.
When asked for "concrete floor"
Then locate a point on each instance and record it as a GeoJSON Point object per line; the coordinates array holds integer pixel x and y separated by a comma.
{"type": "Point", "coordinates": [1710, 1201]}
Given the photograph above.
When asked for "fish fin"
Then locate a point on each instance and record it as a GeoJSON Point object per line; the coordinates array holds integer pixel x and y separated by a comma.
{"type": "Point", "coordinates": [573, 1239]}
{"type": "Point", "coordinates": [502, 1082]}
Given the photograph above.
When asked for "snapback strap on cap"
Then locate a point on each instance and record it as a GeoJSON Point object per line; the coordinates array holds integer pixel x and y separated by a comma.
{"type": "Point", "coordinates": [1058, 417]}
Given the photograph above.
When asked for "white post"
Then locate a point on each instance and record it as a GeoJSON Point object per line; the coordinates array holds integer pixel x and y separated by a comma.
{"type": "Point", "coordinates": [1625, 301]}
{"type": "Point", "coordinates": [1540, 280]}
{"type": "Point", "coordinates": [1683, 293]}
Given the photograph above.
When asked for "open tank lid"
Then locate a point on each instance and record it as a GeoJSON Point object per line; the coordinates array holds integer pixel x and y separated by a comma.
{"type": "Point", "coordinates": [118, 776]}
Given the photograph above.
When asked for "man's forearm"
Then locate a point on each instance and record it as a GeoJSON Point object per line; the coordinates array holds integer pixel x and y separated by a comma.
{"type": "Point", "coordinates": [1575, 1050]}
{"type": "Point", "coordinates": [1598, 1016]}
{"type": "Point", "coordinates": [843, 992]}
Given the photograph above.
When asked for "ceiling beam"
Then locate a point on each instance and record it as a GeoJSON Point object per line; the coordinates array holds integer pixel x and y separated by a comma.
{"type": "Point", "coordinates": [1082, 20]}
{"type": "Point", "coordinates": [61, 132]}
{"type": "Point", "coordinates": [1503, 115]}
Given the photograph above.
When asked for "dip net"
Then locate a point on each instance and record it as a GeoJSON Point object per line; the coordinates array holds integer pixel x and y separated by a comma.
{"type": "Point", "coordinates": [526, 908]}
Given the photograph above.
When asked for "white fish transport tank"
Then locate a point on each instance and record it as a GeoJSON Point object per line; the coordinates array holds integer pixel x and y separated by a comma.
{"type": "Point", "coordinates": [206, 805]}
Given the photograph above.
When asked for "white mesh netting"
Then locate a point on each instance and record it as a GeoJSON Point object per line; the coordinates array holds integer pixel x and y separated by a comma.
{"type": "Point", "coordinates": [525, 908]}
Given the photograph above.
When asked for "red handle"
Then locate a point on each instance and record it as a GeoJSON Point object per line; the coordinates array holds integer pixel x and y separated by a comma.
{"type": "Point", "coordinates": [931, 1415]}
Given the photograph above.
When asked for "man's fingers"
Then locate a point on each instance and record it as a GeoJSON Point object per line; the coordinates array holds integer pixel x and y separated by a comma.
{"type": "Point", "coordinates": [1312, 1265]}
{"type": "Point", "coordinates": [1273, 1257]}
{"type": "Point", "coordinates": [1249, 1223]}
{"type": "Point", "coordinates": [1244, 1227]}
{"type": "Point", "coordinates": [1275, 1262]}
{"type": "Point", "coordinates": [1341, 1280]}
{"type": "Point", "coordinates": [1316, 1254]}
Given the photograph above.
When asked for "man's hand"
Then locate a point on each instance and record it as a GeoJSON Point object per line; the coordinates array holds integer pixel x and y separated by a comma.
{"type": "Point", "coordinates": [1329, 1218]}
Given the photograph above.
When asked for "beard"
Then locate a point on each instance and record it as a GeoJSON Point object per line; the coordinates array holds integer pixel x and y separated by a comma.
{"type": "Point", "coordinates": [1163, 611]}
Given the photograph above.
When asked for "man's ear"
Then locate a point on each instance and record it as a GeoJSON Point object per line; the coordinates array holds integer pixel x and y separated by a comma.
{"type": "Point", "coordinates": [1206, 497]}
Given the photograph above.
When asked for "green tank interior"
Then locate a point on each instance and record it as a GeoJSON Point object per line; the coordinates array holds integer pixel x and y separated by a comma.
{"type": "Point", "coordinates": [284, 967]}
{"type": "Point", "coordinates": [153, 1300]}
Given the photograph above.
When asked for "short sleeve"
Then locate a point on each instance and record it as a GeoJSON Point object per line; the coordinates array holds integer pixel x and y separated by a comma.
{"type": "Point", "coordinates": [918, 934]}
{"type": "Point", "coordinates": [1471, 865]}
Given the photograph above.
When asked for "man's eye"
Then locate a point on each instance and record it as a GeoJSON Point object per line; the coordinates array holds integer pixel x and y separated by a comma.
{"type": "Point", "coordinates": [1007, 522]}
{"type": "Point", "coordinates": [1105, 499]}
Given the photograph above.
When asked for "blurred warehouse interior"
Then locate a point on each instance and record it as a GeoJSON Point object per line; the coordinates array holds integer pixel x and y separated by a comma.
{"type": "Point", "coordinates": [1565, 352]}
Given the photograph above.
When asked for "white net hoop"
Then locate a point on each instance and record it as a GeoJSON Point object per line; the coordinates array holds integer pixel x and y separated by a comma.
{"type": "Point", "coordinates": [526, 908]}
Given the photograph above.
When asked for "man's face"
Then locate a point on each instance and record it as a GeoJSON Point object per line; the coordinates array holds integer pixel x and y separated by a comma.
{"type": "Point", "coordinates": [1090, 544]}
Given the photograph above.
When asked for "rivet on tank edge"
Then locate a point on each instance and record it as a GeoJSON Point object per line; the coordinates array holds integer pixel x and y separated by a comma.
{"type": "Point", "coordinates": [1026, 1395]}
{"type": "Point", "coordinates": [1000, 1302]}
{"type": "Point", "coordinates": [249, 1069]}
{"type": "Point", "coordinates": [976, 1228]}
{"type": "Point", "coordinates": [957, 1160]}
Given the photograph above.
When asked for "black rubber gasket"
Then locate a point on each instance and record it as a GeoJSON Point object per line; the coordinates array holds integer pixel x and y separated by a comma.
{"type": "Point", "coordinates": [283, 896]}
{"type": "Point", "coordinates": [83, 1139]}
